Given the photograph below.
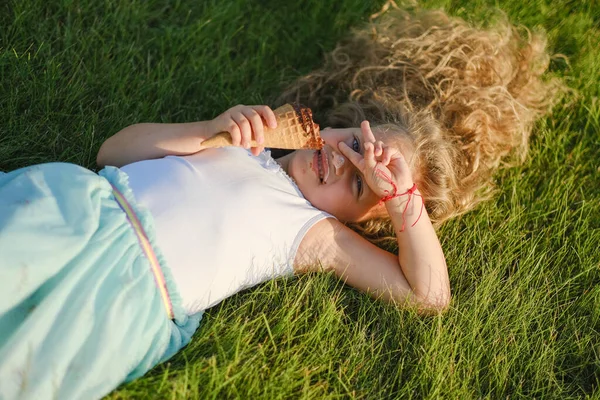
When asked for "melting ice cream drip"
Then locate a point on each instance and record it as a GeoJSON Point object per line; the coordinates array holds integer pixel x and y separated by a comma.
{"type": "Point", "coordinates": [338, 161]}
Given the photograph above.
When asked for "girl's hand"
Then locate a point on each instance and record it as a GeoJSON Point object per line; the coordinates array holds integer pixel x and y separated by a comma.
{"type": "Point", "coordinates": [383, 167]}
{"type": "Point", "coordinates": [245, 123]}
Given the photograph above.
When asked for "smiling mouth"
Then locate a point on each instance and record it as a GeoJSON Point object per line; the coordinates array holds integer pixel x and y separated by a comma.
{"type": "Point", "coordinates": [322, 163]}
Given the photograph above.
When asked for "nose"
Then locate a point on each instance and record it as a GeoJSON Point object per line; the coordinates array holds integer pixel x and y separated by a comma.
{"type": "Point", "coordinates": [338, 162]}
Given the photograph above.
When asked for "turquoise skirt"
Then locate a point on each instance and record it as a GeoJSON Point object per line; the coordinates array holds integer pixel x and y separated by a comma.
{"type": "Point", "coordinates": [81, 307]}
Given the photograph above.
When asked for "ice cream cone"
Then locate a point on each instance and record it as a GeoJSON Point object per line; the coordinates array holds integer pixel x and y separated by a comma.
{"type": "Point", "coordinates": [295, 130]}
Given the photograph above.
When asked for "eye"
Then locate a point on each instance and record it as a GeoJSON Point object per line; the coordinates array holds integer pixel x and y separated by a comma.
{"type": "Point", "coordinates": [359, 185]}
{"type": "Point", "coordinates": [356, 145]}
{"type": "Point", "coordinates": [359, 182]}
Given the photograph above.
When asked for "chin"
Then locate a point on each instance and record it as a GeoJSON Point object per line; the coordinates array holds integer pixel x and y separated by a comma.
{"type": "Point", "coordinates": [299, 170]}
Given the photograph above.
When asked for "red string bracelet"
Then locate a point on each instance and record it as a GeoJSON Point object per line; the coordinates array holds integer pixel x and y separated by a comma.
{"type": "Point", "coordinates": [392, 195]}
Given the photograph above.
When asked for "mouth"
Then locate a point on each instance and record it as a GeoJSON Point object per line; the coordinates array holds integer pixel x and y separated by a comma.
{"type": "Point", "coordinates": [321, 165]}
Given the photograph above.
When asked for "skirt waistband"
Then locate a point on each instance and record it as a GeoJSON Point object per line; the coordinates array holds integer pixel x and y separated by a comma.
{"type": "Point", "coordinates": [147, 248]}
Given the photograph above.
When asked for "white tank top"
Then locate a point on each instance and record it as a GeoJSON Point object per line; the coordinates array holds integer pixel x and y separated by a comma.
{"type": "Point", "coordinates": [225, 220]}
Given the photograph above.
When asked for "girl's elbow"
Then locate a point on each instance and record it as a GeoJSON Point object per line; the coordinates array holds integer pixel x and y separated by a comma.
{"type": "Point", "coordinates": [106, 154]}
{"type": "Point", "coordinates": [430, 304]}
{"type": "Point", "coordinates": [437, 303]}
{"type": "Point", "coordinates": [101, 156]}
{"type": "Point", "coordinates": [442, 305]}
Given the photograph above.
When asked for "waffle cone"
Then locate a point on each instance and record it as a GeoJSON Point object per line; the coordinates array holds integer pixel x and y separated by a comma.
{"type": "Point", "coordinates": [295, 130]}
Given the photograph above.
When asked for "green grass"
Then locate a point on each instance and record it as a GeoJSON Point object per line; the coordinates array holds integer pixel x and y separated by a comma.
{"type": "Point", "coordinates": [524, 267]}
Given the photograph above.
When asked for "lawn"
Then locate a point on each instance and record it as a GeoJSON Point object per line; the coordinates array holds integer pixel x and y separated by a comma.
{"type": "Point", "coordinates": [524, 267]}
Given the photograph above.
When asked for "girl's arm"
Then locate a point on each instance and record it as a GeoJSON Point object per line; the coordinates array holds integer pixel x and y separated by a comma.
{"type": "Point", "coordinates": [420, 254]}
{"type": "Point", "coordinates": [147, 140]}
{"type": "Point", "coordinates": [418, 276]}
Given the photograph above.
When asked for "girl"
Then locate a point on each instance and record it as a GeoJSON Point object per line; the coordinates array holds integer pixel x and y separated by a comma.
{"type": "Point", "coordinates": [105, 275]}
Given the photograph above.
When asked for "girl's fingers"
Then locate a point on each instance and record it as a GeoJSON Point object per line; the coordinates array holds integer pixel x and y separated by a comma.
{"type": "Point", "coordinates": [368, 135]}
{"type": "Point", "coordinates": [354, 157]}
{"type": "Point", "coordinates": [370, 161]}
{"type": "Point", "coordinates": [256, 123]}
{"type": "Point", "coordinates": [234, 131]}
{"type": "Point", "coordinates": [257, 150]}
{"type": "Point", "coordinates": [267, 114]}
{"type": "Point", "coordinates": [378, 148]}
{"type": "Point", "coordinates": [386, 155]}
{"type": "Point", "coordinates": [245, 123]}
{"type": "Point", "coordinates": [245, 128]}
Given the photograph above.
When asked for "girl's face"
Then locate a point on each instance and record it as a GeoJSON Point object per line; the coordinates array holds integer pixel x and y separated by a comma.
{"type": "Point", "coordinates": [330, 181]}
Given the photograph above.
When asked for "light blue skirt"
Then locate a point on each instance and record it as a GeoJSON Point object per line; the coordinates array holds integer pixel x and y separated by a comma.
{"type": "Point", "coordinates": [80, 309]}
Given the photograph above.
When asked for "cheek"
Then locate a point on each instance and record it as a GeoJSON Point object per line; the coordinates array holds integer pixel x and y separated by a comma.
{"type": "Point", "coordinates": [333, 201]}
{"type": "Point", "coordinates": [303, 164]}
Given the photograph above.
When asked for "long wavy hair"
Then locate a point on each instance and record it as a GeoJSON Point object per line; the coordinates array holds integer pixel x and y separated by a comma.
{"type": "Point", "coordinates": [465, 97]}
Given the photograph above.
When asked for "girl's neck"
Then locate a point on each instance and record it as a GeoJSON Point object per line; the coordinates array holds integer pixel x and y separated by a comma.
{"type": "Point", "coordinates": [284, 162]}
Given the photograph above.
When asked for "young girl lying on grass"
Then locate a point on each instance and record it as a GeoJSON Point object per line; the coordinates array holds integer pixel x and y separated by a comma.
{"type": "Point", "coordinates": [106, 275]}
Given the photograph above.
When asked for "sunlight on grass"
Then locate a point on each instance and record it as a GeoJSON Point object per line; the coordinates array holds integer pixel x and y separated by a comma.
{"type": "Point", "coordinates": [524, 267]}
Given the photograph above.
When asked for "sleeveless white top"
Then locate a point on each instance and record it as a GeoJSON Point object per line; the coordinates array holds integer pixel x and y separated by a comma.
{"type": "Point", "coordinates": [225, 220]}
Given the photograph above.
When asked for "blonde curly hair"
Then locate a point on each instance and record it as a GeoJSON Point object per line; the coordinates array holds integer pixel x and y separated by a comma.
{"type": "Point", "coordinates": [466, 97]}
